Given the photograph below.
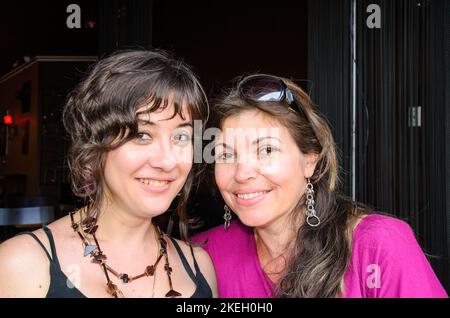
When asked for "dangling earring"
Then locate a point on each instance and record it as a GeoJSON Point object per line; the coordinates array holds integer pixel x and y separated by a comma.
{"type": "Point", "coordinates": [310, 210]}
{"type": "Point", "coordinates": [226, 217]}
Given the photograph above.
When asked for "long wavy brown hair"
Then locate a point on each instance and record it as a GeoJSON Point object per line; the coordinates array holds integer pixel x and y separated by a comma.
{"type": "Point", "coordinates": [319, 256]}
{"type": "Point", "coordinates": [101, 114]}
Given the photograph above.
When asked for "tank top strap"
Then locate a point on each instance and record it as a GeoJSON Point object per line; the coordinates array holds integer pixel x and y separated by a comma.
{"type": "Point", "coordinates": [39, 242]}
{"type": "Point", "coordinates": [49, 234]}
{"type": "Point", "coordinates": [184, 260]}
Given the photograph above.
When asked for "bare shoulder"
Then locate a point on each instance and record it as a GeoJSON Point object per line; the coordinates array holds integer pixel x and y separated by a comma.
{"type": "Point", "coordinates": [62, 228]}
{"type": "Point", "coordinates": [24, 266]}
{"type": "Point", "coordinates": [202, 257]}
{"type": "Point", "coordinates": [200, 254]}
{"type": "Point", "coordinates": [207, 268]}
{"type": "Point", "coordinates": [204, 262]}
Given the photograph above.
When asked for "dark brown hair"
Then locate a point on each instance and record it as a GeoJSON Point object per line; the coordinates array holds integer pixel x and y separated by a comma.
{"type": "Point", "coordinates": [101, 114]}
{"type": "Point", "coordinates": [319, 256]}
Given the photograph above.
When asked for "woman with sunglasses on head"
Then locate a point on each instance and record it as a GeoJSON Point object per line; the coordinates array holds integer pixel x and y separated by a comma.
{"type": "Point", "coordinates": [276, 169]}
{"type": "Point", "coordinates": [131, 126]}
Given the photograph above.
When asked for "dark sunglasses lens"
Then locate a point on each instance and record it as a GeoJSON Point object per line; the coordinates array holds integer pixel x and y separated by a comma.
{"type": "Point", "coordinates": [262, 88]}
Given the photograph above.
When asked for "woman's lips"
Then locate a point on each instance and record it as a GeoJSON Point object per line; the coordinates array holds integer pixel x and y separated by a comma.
{"type": "Point", "coordinates": [154, 185]}
{"type": "Point", "coordinates": [248, 198]}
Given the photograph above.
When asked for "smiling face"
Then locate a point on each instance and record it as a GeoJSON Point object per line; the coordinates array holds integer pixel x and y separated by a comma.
{"type": "Point", "coordinates": [260, 171]}
{"type": "Point", "coordinates": [144, 175]}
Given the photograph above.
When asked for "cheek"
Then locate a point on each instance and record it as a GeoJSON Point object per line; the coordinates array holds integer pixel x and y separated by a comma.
{"type": "Point", "coordinates": [119, 161]}
{"type": "Point", "coordinates": [117, 168]}
{"type": "Point", "coordinates": [187, 153]}
{"type": "Point", "coordinates": [287, 173]}
{"type": "Point", "coordinates": [184, 160]}
{"type": "Point", "coordinates": [184, 154]}
{"type": "Point", "coordinates": [223, 174]}
{"type": "Point", "coordinates": [184, 157]}
{"type": "Point", "coordinates": [293, 186]}
{"type": "Point", "coordinates": [185, 168]}
{"type": "Point", "coordinates": [272, 167]}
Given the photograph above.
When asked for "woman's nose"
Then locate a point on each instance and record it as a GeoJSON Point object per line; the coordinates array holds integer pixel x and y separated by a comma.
{"type": "Point", "coordinates": [246, 171]}
{"type": "Point", "coordinates": [165, 157]}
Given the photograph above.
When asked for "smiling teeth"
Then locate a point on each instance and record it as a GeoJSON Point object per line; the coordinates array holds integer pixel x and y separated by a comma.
{"type": "Point", "coordinates": [154, 183]}
{"type": "Point", "coordinates": [248, 196]}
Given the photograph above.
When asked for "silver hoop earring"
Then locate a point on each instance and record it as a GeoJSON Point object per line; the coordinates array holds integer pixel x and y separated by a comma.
{"type": "Point", "coordinates": [226, 217]}
{"type": "Point", "coordinates": [311, 218]}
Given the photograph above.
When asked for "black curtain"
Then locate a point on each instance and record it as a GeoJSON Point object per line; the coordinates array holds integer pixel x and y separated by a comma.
{"type": "Point", "coordinates": [446, 34]}
{"type": "Point", "coordinates": [402, 103]}
{"type": "Point", "coordinates": [329, 71]}
{"type": "Point", "coordinates": [401, 126]}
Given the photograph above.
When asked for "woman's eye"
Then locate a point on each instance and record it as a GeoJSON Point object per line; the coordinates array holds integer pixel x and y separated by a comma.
{"type": "Point", "coordinates": [182, 138]}
{"type": "Point", "coordinates": [143, 137]}
{"type": "Point", "coordinates": [267, 150]}
{"type": "Point", "coordinates": [223, 157]}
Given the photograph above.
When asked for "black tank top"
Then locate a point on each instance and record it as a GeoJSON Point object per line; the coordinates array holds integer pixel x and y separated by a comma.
{"type": "Point", "coordinates": [59, 282]}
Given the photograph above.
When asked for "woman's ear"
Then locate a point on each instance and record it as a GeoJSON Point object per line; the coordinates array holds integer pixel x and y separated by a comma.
{"type": "Point", "coordinates": [311, 162]}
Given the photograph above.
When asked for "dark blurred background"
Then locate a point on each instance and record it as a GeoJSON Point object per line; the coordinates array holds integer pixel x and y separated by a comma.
{"type": "Point", "coordinates": [385, 92]}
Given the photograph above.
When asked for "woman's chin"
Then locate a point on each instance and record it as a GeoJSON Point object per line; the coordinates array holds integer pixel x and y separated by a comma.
{"type": "Point", "coordinates": [252, 221]}
{"type": "Point", "coordinates": [155, 210]}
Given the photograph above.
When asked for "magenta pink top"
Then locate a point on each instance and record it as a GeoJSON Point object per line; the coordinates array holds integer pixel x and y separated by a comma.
{"type": "Point", "coordinates": [386, 261]}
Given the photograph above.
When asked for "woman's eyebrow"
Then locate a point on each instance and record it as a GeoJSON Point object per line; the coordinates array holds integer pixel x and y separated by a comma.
{"type": "Point", "coordinates": [224, 145]}
{"type": "Point", "coordinates": [260, 139]}
{"type": "Point", "coordinates": [186, 124]}
{"type": "Point", "coordinates": [145, 122]}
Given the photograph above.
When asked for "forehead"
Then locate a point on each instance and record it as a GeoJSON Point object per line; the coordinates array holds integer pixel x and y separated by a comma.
{"type": "Point", "coordinates": [250, 119]}
{"type": "Point", "coordinates": [251, 125]}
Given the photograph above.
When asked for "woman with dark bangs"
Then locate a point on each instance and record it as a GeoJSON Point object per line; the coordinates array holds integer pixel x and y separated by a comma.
{"type": "Point", "coordinates": [131, 126]}
{"type": "Point", "coordinates": [296, 236]}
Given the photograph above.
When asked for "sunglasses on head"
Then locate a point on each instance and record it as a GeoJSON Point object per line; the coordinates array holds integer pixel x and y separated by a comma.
{"type": "Point", "coordinates": [268, 88]}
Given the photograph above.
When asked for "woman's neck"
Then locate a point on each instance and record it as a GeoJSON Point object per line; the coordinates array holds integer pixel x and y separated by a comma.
{"type": "Point", "coordinates": [273, 241]}
{"type": "Point", "coordinates": [274, 244]}
{"type": "Point", "coordinates": [117, 226]}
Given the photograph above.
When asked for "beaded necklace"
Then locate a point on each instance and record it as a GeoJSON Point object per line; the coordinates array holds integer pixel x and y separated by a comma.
{"type": "Point", "coordinates": [89, 227]}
